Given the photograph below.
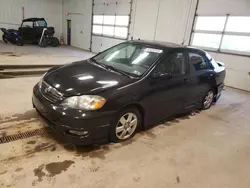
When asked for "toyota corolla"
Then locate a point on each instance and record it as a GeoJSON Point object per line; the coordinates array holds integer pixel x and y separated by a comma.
{"type": "Point", "coordinates": [128, 87]}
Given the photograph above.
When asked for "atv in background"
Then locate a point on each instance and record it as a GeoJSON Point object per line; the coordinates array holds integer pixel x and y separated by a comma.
{"type": "Point", "coordinates": [32, 30]}
{"type": "Point", "coordinates": [12, 36]}
{"type": "Point", "coordinates": [36, 30]}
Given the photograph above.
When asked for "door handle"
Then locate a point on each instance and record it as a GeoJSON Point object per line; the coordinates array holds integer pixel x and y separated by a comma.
{"type": "Point", "coordinates": [187, 81]}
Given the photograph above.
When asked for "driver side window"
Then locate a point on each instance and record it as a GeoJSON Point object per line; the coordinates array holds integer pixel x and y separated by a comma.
{"type": "Point", "coordinates": [175, 64]}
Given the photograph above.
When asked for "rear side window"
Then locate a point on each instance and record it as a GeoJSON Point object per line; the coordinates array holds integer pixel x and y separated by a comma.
{"type": "Point", "coordinates": [198, 62]}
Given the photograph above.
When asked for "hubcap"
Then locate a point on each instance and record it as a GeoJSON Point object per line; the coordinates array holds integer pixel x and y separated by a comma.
{"type": "Point", "coordinates": [126, 126]}
{"type": "Point", "coordinates": [208, 99]}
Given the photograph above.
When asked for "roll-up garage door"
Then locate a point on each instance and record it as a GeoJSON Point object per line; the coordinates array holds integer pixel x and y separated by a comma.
{"type": "Point", "coordinates": [222, 27]}
{"type": "Point", "coordinates": [110, 23]}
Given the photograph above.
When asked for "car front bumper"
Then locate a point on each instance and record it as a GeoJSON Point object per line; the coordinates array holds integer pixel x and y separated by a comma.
{"type": "Point", "coordinates": [94, 125]}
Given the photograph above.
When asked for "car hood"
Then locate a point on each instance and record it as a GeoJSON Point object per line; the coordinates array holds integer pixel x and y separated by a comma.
{"type": "Point", "coordinates": [84, 77]}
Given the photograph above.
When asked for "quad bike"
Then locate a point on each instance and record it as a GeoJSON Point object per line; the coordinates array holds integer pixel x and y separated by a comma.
{"type": "Point", "coordinates": [12, 36]}
{"type": "Point", "coordinates": [32, 30]}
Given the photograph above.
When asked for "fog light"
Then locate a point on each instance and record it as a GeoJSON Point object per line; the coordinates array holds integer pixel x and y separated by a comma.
{"type": "Point", "coordinates": [79, 133]}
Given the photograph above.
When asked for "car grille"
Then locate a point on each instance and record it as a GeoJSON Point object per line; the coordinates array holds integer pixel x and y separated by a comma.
{"type": "Point", "coordinates": [50, 93]}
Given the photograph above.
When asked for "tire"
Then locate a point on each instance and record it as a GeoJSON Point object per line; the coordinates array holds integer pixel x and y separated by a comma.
{"type": "Point", "coordinates": [19, 42]}
{"type": "Point", "coordinates": [4, 39]}
{"type": "Point", "coordinates": [117, 129]}
{"type": "Point", "coordinates": [55, 42]}
{"type": "Point", "coordinates": [208, 100]}
{"type": "Point", "coordinates": [44, 43]}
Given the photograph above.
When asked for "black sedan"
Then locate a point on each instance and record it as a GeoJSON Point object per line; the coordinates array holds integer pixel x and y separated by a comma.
{"type": "Point", "coordinates": [126, 88]}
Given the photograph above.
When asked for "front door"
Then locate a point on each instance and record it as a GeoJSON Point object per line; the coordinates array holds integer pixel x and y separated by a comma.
{"type": "Point", "coordinates": [26, 31]}
{"type": "Point", "coordinates": [169, 87]}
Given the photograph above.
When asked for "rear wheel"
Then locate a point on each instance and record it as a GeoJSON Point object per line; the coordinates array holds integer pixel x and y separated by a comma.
{"type": "Point", "coordinates": [4, 39]}
{"type": "Point", "coordinates": [208, 100]}
{"type": "Point", "coordinates": [55, 42]}
{"type": "Point", "coordinates": [126, 125]}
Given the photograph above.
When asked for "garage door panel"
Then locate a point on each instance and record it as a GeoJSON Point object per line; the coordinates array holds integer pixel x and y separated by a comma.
{"type": "Point", "coordinates": [111, 28]}
{"type": "Point", "coordinates": [238, 79]}
{"type": "Point", "coordinates": [96, 44]}
{"type": "Point", "coordinates": [111, 8]}
{"type": "Point", "coordinates": [98, 9]}
{"type": "Point", "coordinates": [109, 42]}
{"type": "Point", "coordinates": [223, 7]}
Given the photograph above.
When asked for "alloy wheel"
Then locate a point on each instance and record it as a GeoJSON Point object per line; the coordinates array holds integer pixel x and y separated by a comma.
{"type": "Point", "coordinates": [208, 99]}
{"type": "Point", "coordinates": [126, 126]}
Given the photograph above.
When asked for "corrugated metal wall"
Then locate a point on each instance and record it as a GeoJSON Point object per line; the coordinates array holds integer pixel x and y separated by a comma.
{"type": "Point", "coordinates": [11, 12]}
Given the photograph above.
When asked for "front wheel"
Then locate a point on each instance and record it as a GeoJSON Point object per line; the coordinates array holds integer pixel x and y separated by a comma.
{"type": "Point", "coordinates": [126, 125]}
{"type": "Point", "coordinates": [208, 100]}
{"type": "Point", "coordinates": [4, 39]}
{"type": "Point", "coordinates": [19, 42]}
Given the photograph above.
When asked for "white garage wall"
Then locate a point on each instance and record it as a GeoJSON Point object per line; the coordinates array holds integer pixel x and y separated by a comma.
{"type": "Point", "coordinates": [11, 12]}
{"type": "Point", "coordinates": [162, 20]}
{"type": "Point", "coordinates": [238, 67]}
{"type": "Point", "coordinates": [80, 14]}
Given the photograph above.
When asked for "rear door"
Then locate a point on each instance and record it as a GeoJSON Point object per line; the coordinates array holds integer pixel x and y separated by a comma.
{"type": "Point", "coordinates": [201, 78]}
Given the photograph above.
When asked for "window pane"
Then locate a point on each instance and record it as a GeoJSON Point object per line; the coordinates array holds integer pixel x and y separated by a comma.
{"type": "Point", "coordinates": [175, 65]}
{"type": "Point", "coordinates": [239, 43]}
{"type": "Point", "coordinates": [238, 24]}
{"type": "Point", "coordinates": [121, 32]}
{"type": "Point", "coordinates": [198, 62]}
{"type": "Point", "coordinates": [97, 29]}
{"type": "Point", "coordinates": [108, 30]}
{"type": "Point", "coordinates": [210, 23]}
{"type": "Point", "coordinates": [122, 20]}
{"type": "Point", "coordinates": [28, 24]}
{"type": "Point", "coordinates": [98, 19]}
{"type": "Point", "coordinates": [110, 20]}
{"type": "Point", "coordinates": [207, 40]}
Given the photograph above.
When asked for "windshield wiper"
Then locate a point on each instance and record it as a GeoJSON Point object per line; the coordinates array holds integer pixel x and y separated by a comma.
{"type": "Point", "coordinates": [101, 64]}
{"type": "Point", "coordinates": [118, 70]}
{"type": "Point", "coordinates": [109, 67]}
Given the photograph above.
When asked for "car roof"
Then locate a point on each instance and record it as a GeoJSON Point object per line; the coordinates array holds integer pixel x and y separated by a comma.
{"type": "Point", "coordinates": [33, 19]}
{"type": "Point", "coordinates": [164, 45]}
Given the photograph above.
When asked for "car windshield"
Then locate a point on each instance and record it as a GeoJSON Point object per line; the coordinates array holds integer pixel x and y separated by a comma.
{"type": "Point", "coordinates": [40, 23]}
{"type": "Point", "coordinates": [133, 59]}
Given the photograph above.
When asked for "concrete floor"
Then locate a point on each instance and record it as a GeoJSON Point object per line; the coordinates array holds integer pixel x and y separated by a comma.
{"type": "Point", "coordinates": [208, 149]}
{"type": "Point", "coordinates": [33, 54]}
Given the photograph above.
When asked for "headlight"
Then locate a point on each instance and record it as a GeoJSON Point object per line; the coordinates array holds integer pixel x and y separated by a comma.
{"type": "Point", "coordinates": [40, 82]}
{"type": "Point", "coordinates": [84, 102]}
